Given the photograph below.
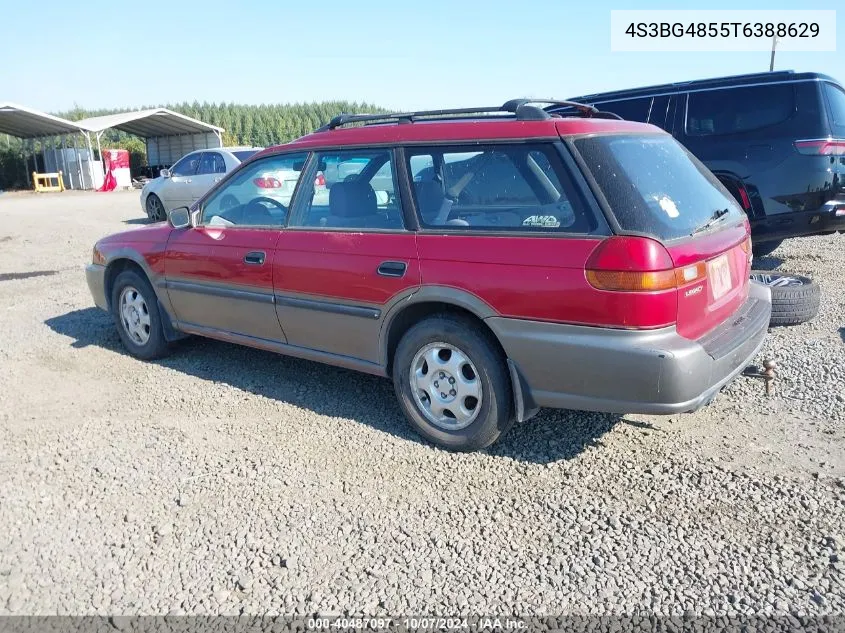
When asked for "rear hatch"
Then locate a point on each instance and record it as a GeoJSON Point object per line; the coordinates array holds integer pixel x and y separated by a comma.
{"type": "Point", "coordinates": [656, 191]}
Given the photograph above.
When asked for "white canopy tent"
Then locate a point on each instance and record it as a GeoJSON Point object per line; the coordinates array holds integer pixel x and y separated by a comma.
{"type": "Point", "coordinates": [53, 133]}
{"type": "Point", "coordinates": [168, 135]}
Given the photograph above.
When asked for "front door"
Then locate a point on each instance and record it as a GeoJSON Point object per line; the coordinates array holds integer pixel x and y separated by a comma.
{"type": "Point", "coordinates": [345, 255]}
{"type": "Point", "coordinates": [219, 274]}
{"type": "Point", "coordinates": [211, 170]}
{"type": "Point", "coordinates": [176, 190]}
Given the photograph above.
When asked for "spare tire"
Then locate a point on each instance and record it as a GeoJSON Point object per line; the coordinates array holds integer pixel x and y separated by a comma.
{"type": "Point", "coordinates": [795, 298]}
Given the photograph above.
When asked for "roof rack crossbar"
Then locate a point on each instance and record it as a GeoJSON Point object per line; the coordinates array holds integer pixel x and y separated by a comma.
{"type": "Point", "coordinates": [521, 108]}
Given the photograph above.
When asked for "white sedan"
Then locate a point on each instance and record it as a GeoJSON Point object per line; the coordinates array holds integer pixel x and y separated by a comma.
{"type": "Point", "coordinates": [191, 176]}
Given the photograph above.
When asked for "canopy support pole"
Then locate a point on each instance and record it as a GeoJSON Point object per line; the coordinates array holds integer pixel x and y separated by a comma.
{"type": "Point", "coordinates": [64, 162]}
{"type": "Point", "coordinates": [78, 163]}
{"type": "Point", "coordinates": [91, 160]}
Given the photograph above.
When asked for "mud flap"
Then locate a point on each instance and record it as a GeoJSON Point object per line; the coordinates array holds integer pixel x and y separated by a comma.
{"type": "Point", "coordinates": [523, 403]}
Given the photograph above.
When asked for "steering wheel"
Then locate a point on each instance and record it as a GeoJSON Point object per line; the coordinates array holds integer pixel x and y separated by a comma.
{"type": "Point", "coordinates": [255, 211]}
{"type": "Point", "coordinates": [275, 203]}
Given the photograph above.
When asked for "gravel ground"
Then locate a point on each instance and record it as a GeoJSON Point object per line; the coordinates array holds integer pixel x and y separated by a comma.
{"type": "Point", "coordinates": [229, 480]}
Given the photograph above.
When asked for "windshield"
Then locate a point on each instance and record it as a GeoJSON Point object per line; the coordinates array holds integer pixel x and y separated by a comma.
{"type": "Point", "coordinates": [655, 187]}
{"type": "Point", "coordinates": [242, 155]}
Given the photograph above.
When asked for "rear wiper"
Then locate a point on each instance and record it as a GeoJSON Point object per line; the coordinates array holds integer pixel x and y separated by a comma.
{"type": "Point", "coordinates": [718, 214]}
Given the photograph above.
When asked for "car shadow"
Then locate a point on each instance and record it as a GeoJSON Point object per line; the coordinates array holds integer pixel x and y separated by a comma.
{"type": "Point", "coordinates": [138, 221]}
{"type": "Point", "coordinates": [842, 334]}
{"type": "Point", "coordinates": [551, 436]}
{"type": "Point", "coordinates": [769, 262]}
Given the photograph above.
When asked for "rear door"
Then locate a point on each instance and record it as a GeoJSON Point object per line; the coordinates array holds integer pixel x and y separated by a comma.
{"type": "Point", "coordinates": [657, 189]}
{"type": "Point", "coordinates": [345, 256]}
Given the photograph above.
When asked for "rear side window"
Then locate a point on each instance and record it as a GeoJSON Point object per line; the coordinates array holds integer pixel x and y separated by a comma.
{"type": "Point", "coordinates": [735, 110]}
{"type": "Point", "coordinates": [212, 163]}
{"type": "Point", "coordinates": [654, 186]}
{"type": "Point", "coordinates": [629, 109]}
{"type": "Point", "coordinates": [496, 187]}
{"type": "Point", "coordinates": [351, 190]}
{"type": "Point", "coordinates": [836, 108]}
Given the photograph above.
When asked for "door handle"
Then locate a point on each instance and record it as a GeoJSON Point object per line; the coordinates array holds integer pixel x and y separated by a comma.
{"type": "Point", "coordinates": [392, 269]}
{"type": "Point", "coordinates": [255, 258]}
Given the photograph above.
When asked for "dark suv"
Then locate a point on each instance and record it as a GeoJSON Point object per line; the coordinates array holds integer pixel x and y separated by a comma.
{"type": "Point", "coordinates": [776, 141]}
{"type": "Point", "coordinates": [489, 265]}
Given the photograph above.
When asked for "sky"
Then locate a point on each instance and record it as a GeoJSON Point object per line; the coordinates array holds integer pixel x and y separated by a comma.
{"type": "Point", "coordinates": [424, 54]}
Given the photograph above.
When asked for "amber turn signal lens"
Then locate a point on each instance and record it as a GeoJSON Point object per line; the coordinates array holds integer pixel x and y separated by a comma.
{"type": "Point", "coordinates": [625, 281]}
{"type": "Point", "coordinates": [746, 245]}
{"type": "Point", "coordinates": [97, 257]}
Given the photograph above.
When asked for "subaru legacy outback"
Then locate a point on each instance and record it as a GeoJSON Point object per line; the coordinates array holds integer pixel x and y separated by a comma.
{"type": "Point", "coordinates": [490, 261]}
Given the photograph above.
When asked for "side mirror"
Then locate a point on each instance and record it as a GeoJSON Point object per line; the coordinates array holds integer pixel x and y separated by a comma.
{"type": "Point", "coordinates": [164, 173]}
{"type": "Point", "coordinates": [179, 218]}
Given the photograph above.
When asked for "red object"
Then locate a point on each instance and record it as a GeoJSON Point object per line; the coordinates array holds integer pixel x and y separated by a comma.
{"type": "Point", "coordinates": [267, 182]}
{"type": "Point", "coordinates": [534, 278]}
{"type": "Point", "coordinates": [823, 147]}
{"type": "Point", "coordinates": [113, 159]}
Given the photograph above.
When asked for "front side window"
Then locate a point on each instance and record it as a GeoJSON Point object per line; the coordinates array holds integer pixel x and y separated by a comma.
{"type": "Point", "coordinates": [505, 187]}
{"type": "Point", "coordinates": [257, 195]}
{"type": "Point", "coordinates": [350, 190]}
{"type": "Point", "coordinates": [186, 166]}
{"type": "Point", "coordinates": [212, 163]}
{"type": "Point", "coordinates": [735, 110]}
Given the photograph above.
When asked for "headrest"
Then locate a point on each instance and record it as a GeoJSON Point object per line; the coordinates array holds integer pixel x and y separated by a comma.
{"type": "Point", "coordinates": [429, 198]}
{"type": "Point", "coordinates": [353, 198]}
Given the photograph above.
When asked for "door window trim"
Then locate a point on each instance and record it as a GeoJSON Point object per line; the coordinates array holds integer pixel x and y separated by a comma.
{"type": "Point", "coordinates": [200, 204]}
{"type": "Point", "coordinates": [298, 202]}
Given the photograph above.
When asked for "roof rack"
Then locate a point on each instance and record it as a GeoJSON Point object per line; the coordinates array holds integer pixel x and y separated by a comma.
{"type": "Point", "coordinates": [522, 109]}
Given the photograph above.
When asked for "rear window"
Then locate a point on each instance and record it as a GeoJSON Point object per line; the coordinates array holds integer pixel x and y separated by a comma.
{"type": "Point", "coordinates": [242, 155]}
{"type": "Point", "coordinates": [836, 108]}
{"type": "Point", "coordinates": [654, 186]}
{"type": "Point", "coordinates": [734, 110]}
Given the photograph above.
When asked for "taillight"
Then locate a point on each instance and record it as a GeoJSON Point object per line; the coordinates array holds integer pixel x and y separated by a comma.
{"type": "Point", "coordinates": [746, 248]}
{"type": "Point", "coordinates": [631, 264]}
{"type": "Point", "coordinates": [746, 203]}
{"type": "Point", "coordinates": [627, 281]}
{"type": "Point", "coordinates": [822, 147]}
{"type": "Point", "coordinates": [637, 264]}
{"type": "Point", "coordinates": [267, 182]}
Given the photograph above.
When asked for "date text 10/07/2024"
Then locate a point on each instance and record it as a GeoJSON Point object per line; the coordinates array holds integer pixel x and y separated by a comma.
{"type": "Point", "coordinates": [417, 624]}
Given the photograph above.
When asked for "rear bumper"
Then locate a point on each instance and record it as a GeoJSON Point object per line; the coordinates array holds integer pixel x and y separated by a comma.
{"type": "Point", "coordinates": [624, 371]}
{"type": "Point", "coordinates": [797, 224]}
{"type": "Point", "coordinates": [95, 274]}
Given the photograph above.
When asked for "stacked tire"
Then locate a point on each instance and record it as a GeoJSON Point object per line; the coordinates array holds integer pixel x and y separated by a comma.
{"type": "Point", "coordinates": [795, 298]}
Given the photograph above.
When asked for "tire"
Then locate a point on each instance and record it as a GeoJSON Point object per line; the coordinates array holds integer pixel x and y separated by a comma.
{"type": "Point", "coordinates": [132, 288]}
{"type": "Point", "coordinates": [795, 298]}
{"type": "Point", "coordinates": [155, 208]}
{"type": "Point", "coordinates": [761, 249]}
{"type": "Point", "coordinates": [451, 340]}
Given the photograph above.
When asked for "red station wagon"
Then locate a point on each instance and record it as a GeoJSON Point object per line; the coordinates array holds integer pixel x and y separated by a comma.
{"type": "Point", "coordinates": [490, 261]}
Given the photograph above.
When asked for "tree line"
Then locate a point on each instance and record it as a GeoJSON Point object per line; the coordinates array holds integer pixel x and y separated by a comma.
{"type": "Point", "coordinates": [254, 125]}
